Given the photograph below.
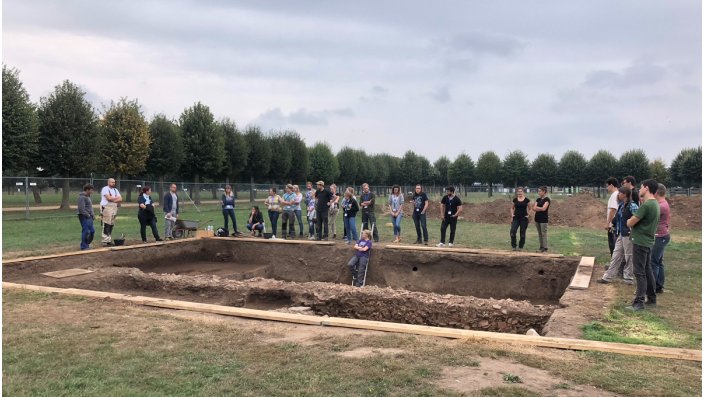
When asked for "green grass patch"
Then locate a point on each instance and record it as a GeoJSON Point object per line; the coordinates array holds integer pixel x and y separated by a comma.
{"type": "Point", "coordinates": [638, 328]}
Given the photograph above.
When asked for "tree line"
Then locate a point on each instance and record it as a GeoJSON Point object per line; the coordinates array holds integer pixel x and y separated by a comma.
{"type": "Point", "coordinates": [65, 136]}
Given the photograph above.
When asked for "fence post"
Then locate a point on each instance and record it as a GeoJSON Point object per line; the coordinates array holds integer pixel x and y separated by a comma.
{"type": "Point", "coordinates": [26, 197]}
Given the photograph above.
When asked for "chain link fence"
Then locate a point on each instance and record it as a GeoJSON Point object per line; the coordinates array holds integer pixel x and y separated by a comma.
{"type": "Point", "coordinates": [32, 194]}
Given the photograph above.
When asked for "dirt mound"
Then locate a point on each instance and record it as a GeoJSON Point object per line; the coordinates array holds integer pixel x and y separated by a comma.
{"type": "Point", "coordinates": [582, 210]}
{"type": "Point", "coordinates": [686, 212]}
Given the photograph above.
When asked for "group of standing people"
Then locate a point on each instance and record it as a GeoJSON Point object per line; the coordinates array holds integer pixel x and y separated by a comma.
{"type": "Point", "coordinates": [638, 232]}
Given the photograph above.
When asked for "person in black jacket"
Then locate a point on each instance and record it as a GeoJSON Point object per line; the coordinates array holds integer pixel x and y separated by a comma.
{"type": "Point", "coordinates": [255, 222]}
{"type": "Point", "coordinates": [146, 214]}
{"type": "Point", "coordinates": [350, 210]}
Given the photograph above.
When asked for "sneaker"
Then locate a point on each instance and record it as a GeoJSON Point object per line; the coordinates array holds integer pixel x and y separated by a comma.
{"type": "Point", "coordinates": [515, 249]}
{"type": "Point", "coordinates": [651, 301]}
{"type": "Point", "coordinates": [635, 307]}
{"type": "Point", "coordinates": [426, 243]}
{"type": "Point", "coordinates": [274, 237]}
{"type": "Point", "coordinates": [603, 281]}
{"type": "Point", "coordinates": [659, 291]}
{"type": "Point", "coordinates": [311, 238]}
{"type": "Point", "coordinates": [417, 242]}
{"type": "Point", "coordinates": [159, 239]}
{"type": "Point", "coordinates": [441, 245]}
{"type": "Point", "coordinates": [450, 245]}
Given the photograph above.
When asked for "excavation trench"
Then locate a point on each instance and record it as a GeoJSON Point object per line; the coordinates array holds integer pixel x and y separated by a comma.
{"type": "Point", "coordinates": [495, 292]}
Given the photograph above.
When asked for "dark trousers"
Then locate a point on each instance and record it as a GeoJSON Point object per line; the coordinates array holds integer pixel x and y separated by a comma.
{"type": "Point", "coordinates": [152, 222]}
{"type": "Point", "coordinates": [452, 221]}
{"type": "Point", "coordinates": [643, 275]}
{"type": "Point", "coordinates": [368, 219]}
{"type": "Point", "coordinates": [273, 219]}
{"type": "Point", "coordinates": [288, 219]}
{"type": "Point", "coordinates": [657, 260]}
{"type": "Point", "coordinates": [229, 213]}
{"type": "Point", "coordinates": [420, 224]}
{"type": "Point", "coordinates": [358, 268]}
{"type": "Point", "coordinates": [322, 224]}
{"type": "Point", "coordinates": [87, 231]}
{"type": "Point", "coordinates": [521, 224]}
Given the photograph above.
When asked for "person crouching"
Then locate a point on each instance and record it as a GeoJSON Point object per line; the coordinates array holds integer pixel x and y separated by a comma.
{"type": "Point", "coordinates": [358, 263]}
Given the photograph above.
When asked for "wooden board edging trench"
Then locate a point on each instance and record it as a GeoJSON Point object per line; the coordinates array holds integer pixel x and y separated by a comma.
{"type": "Point", "coordinates": [470, 251]}
{"type": "Point", "coordinates": [514, 339]}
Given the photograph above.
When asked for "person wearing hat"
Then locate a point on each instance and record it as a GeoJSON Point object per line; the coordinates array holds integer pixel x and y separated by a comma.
{"type": "Point", "coordinates": [323, 200]}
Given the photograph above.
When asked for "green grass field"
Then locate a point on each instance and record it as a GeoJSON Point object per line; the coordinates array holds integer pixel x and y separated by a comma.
{"type": "Point", "coordinates": [161, 355]}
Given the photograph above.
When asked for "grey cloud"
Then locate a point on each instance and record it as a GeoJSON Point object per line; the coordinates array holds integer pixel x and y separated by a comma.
{"type": "Point", "coordinates": [379, 90]}
{"type": "Point", "coordinates": [441, 94]}
{"type": "Point", "coordinates": [479, 43]}
{"type": "Point", "coordinates": [274, 118]}
{"type": "Point", "coordinates": [641, 73]}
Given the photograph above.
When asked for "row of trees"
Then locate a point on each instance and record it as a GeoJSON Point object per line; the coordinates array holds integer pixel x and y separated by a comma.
{"type": "Point", "coordinates": [65, 136]}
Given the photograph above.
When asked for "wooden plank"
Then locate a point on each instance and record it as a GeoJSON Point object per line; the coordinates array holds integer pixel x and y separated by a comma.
{"type": "Point", "coordinates": [514, 339]}
{"type": "Point", "coordinates": [276, 241]}
{"type": "Point", "coordinates": [583, 273]}
{"type": "Point", "coordinates": [471, 251]}
{"type": "Point", "coordinates": [587, 261]}
{"type": "Point", "coordinates": [17, 261]}
{"type": "Point", "coordinates": [67, 273]}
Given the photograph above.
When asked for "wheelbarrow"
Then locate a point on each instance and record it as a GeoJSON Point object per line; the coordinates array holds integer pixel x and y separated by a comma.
{"type": "Point", "coordinates": [184, 228]}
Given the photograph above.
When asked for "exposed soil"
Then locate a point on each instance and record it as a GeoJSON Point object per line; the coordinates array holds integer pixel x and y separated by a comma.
{"type": "Point", "coordinates": [582, 210]}
{"type": "Point", "coordinates": [505, 293]}
{"type": "Point", "coordinates": [491, 373]}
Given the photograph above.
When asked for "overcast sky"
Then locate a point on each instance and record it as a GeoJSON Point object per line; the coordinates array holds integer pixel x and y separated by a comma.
{"type": "Point", "coordinates": [439, 78]}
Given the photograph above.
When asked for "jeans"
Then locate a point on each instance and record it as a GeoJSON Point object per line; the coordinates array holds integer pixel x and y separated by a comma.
{"type": "Point", "coordinates": [420, 223]}
{"type": "Point", "coordinates": [521, 224]}
{"type": "Point", "coordinates": [273, 218]}
{"type": "Point", "coordinates": [542, 229]}
{"type": "Point", "coordinates": [396, 220]}
{"type": "Point", "coordinates": [623, 252]}
{"type": "Point", "coordinates": [87, 231]}
{"type": "Point", "coordinates": [288, 218]}
{"type": "Point", "coordinates": [368, 220]}
{"type": "Point", "coordinates": [301, 224]}
{"type": "Point", "coordinates": [643, 274]}
{"type": "Point", "coordinates": [452, 221]}
{"type": "Point", "coordinates": [657, 260]}
{"type": "Point", "coordinates": [152, 222]}
{"type": "Point", "coordinates": [358, 268]}
{"type": "Point", "coordinates": [258, 226]}
{"type": "Point", "coordinates": [229, 213]}
{"type": "Point", "coordinates": [350, 228]}
{"type": "Point", "coordinates": [322, 224]}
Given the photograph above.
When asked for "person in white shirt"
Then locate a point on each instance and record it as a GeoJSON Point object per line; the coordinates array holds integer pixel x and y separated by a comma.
{"type": "Point", "coordinates": [110, 199]}
{"type": "Point", "coordinates": [612, 204]}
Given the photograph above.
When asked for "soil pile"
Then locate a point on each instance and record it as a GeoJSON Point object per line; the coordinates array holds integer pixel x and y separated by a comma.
{"type": "Point", "coordinates": [582, 210]}
{"type": "Point", "coordinates": [686, 212]}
